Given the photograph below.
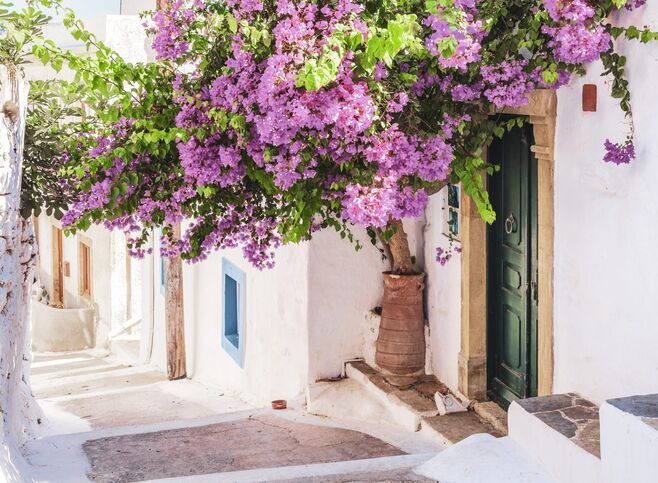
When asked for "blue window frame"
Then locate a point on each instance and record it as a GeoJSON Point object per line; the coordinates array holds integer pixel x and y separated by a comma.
{"type": "Point", "coordinates": [233, 306]}
{"type": "Point", "coordinates": [162, 275]}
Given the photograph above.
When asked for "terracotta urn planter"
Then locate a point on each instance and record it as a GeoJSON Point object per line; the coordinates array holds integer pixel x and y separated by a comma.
{"type": "Point", "coordinates": [401, 341]}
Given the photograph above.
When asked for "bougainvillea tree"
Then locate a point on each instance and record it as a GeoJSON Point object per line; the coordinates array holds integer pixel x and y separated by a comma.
{"type": "Point", "coordinates": [262, 122]}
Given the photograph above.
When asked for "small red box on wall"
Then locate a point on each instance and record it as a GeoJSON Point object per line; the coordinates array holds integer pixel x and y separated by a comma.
{"type": "Point", "coordinates": [589, 97]}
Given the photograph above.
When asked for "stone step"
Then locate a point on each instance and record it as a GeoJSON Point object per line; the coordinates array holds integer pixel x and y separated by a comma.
{"type": "Point", "coordinates": [562, 433]}
{"type": "Point", "coordinates": [629, 438]}
{"type": "Point", "coordinates": [407, 406]}
{"type": "Point", "coordinates": [453, 428]}
{"type": "Point", "coordinates": [484, 459]}
{"type": "Point", "coordinates": [493, 414]}
{"type": "Point", "coordinates": [412, 406]}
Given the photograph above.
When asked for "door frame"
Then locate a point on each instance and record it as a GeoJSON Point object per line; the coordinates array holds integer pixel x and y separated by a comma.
{"type": "Point", "coordinates": [541, 111]}
{"type": "Point", "coordinates": [527, 184]}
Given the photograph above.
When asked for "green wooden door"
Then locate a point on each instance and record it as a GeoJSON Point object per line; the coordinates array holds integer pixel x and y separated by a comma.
{"type": "Point", "coordinates": [512, 270]}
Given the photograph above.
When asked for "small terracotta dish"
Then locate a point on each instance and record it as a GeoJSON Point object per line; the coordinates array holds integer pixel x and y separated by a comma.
{"type": "Point", "coordinates": [279, 404]}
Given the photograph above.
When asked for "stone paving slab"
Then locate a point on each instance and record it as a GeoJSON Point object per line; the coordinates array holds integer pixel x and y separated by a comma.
{"type": "Point", "coordinates": [257, 442]}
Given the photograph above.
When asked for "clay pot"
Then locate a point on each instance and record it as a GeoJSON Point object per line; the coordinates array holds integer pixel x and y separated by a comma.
{"type": "Point", "coordinates": [279, 404]}
{"type": "Point", "coordinates": [401, 340]}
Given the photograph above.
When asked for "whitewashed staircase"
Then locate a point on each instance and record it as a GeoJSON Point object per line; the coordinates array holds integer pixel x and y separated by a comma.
{"type": "Point", "coordinates": [560, 438]}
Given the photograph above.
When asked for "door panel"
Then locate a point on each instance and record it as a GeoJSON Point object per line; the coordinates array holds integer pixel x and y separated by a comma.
{"type": "Point", "coordinates": [511, 269]}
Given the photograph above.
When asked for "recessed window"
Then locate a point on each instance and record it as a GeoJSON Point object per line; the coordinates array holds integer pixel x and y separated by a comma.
{"type": "Point", "coordinates": [233, 304]}
{"type": "Point", "coordinates": [84, 251]}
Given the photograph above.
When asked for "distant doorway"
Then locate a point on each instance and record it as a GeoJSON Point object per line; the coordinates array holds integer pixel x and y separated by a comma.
{"type": "Point", "coordinates": [58, 268]}
{"type": "Point", "coordinates": [512, 278]}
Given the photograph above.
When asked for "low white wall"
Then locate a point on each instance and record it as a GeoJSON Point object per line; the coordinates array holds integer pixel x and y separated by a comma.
{"type": "Point", "coordinates": [60, 330]}
{"type": "Point", "coordinates": [629, 446]}
{"type": "Point", "coordinates": [605, 236]}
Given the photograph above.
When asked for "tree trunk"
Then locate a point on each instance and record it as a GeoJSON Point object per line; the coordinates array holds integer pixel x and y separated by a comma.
{"type": "Point", "coordinates": [18, 255]}
{"type": "Point", "coordinates": [398, 248]}
{"type": "Point", "coordinates": [175, 319]}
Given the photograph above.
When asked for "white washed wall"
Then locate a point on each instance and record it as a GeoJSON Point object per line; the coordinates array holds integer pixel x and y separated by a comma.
{"type": "Point", "coordinates": [344, 286]}
{"type": "Point", "coordinates": [606, 279]}
{"type": "Point", "coordinates": [443, 297]}
{"type": "Point", "coordinates": [135, 7]}
{"type": "Point", "coordinates": [276, 356]}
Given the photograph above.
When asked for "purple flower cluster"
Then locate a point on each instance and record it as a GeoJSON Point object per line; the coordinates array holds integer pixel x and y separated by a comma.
{"type": "Point", "coordinates": [365, 146]}
{"type": "Point", "coordinates": [619, 153]}
{"type": "Point", "coordinates": [575, 39]}
{"type": "Point", "coordinates": [170, 27]}
{"type": "Point", "coordinates": [507, 84]}
{"type": "Point", "coordinates": [633, 4]}
{"type": "Point", "coordinates": [455, 43]}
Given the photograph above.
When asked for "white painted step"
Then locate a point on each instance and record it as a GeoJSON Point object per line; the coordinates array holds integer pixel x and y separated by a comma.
{"type": "Point", "coordinates": [484, 459]}
{"type": "Point", "coordinates": [629, 439]}
{"type": "Point", "coordinates": [563, 459]}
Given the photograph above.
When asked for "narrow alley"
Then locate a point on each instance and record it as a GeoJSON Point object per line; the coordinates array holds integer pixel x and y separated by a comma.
{"type": "Point", "coordinates": [109, 421]}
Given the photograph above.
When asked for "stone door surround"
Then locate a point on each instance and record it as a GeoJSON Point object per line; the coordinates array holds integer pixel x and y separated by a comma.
{"type": "Point", "coordinates": [541, 111]}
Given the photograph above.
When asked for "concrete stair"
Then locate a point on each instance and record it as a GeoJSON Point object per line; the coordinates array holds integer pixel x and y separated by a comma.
{"type": "Point", "coordinates": [561, 438]}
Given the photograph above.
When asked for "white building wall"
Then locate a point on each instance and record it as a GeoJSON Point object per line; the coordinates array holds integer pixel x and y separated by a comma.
{"type": "Point", "coordinates": [344, 286]}
{"type": "Point", "coordinates": [135, 7]}
{"type": "Point", "coordinates": [276, 340]}
{"type": "Point", "coordinates": [605, 235]}
{"type": "Point", "coordinates": [443, 297]}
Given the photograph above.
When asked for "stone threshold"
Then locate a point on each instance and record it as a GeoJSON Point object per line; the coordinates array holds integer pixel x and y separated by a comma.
{"type": "Point", "coordinates": [411, 403]}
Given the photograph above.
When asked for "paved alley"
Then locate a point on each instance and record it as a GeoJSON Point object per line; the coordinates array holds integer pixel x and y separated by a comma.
{"type": "Point", "coordinates": [108, 421]}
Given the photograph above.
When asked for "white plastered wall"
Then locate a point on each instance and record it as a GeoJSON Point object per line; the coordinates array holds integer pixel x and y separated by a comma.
{"type": "Point", "coordinates": [275, 358]}
{"type": "Point", "coordinates": [605, 235]}
{"type": "Point", "coordinates": [443, 296]}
